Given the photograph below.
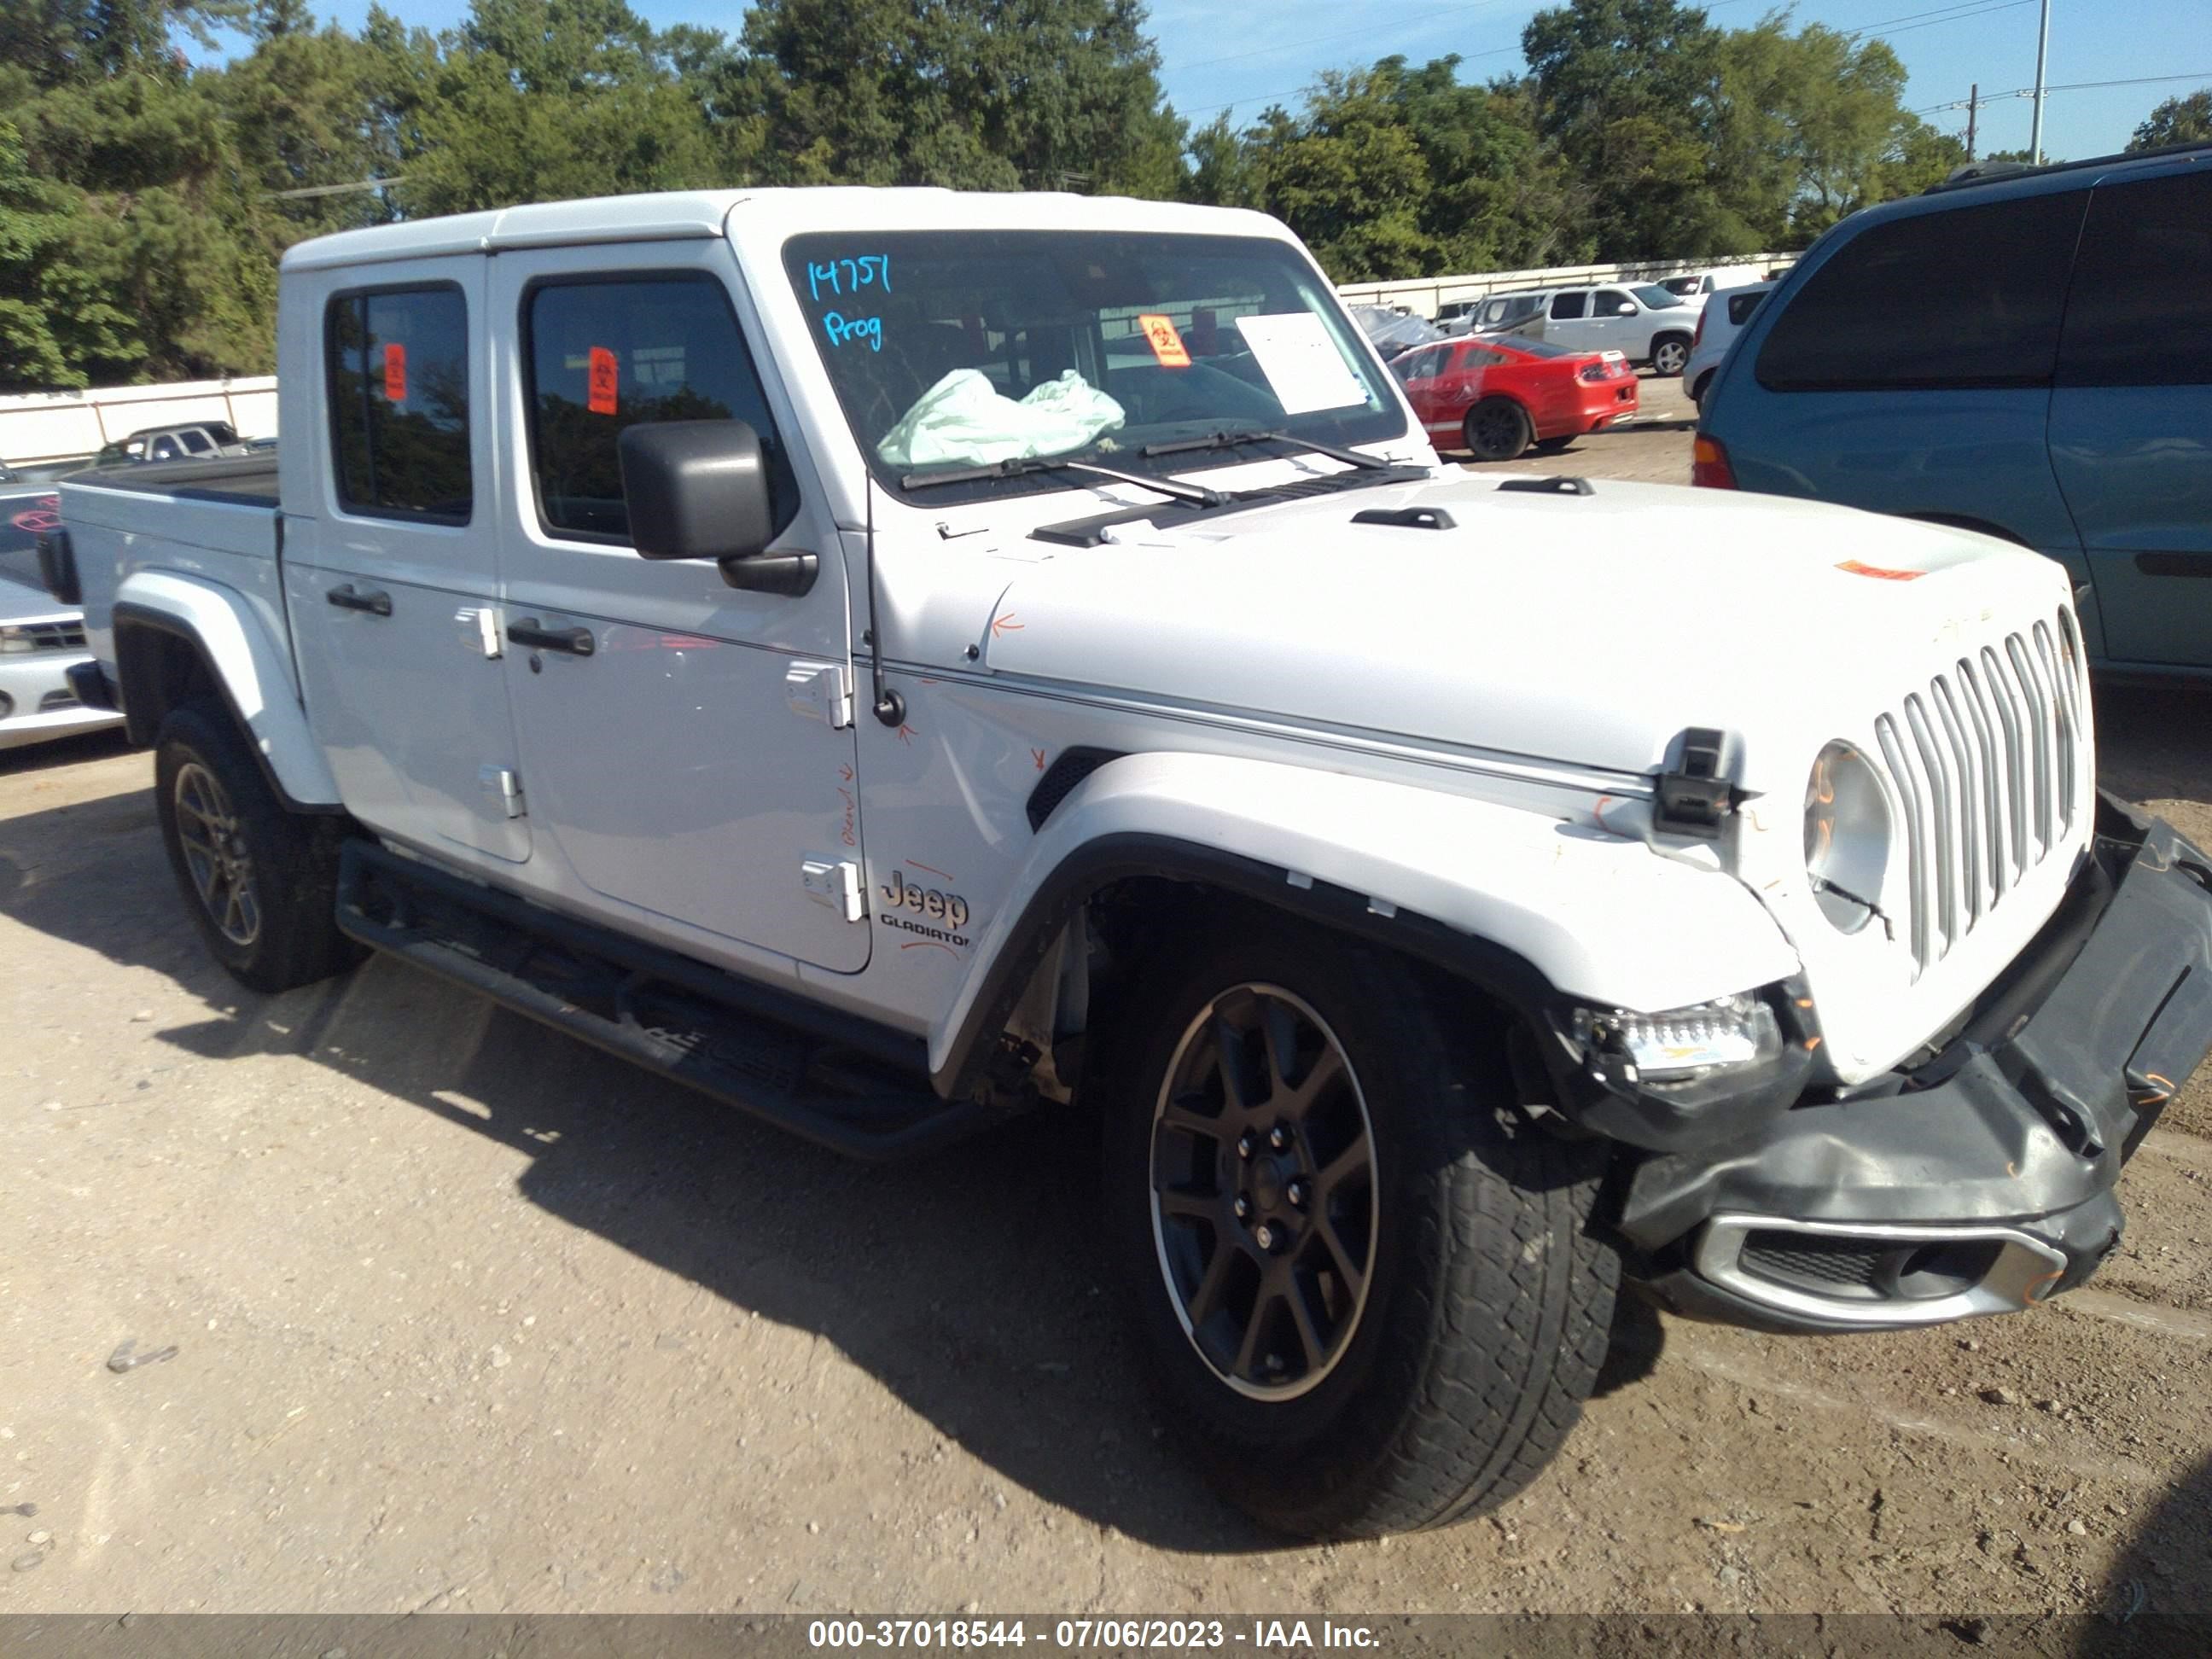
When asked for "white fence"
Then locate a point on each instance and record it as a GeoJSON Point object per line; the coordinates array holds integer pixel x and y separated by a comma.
{"type": "Point", "coordinates": [39, 428]}
{"type": "Point", "coordinates": [1426, 294]}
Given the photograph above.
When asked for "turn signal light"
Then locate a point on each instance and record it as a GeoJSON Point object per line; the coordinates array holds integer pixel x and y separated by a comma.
{"type": "Point", "coordinates": [1709, 464]}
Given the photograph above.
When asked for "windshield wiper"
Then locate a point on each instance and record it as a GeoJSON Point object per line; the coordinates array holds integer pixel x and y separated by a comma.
{"type": "Point", "coordinates": [1194, 494]}
{"type": "Point", "coordinates": [1238, 439]}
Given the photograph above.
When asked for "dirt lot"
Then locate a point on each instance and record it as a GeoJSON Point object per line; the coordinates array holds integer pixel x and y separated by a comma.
{"type": "Point", "coordinates": [467, 1316]}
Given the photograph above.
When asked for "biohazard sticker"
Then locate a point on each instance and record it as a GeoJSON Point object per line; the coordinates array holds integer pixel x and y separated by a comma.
{"type": "Point", "coordinates": [395, 373]}
{"type": "Point", "coordinates": [604, 375]}
{"type": "Point", "coordinates": [1166, 343]}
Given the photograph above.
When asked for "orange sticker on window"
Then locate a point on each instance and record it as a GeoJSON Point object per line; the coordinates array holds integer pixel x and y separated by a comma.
{"type": "Point", "coordinates": [1167, 345]}
{"type": "Point", "coordinates": [1878, 573]}
{"type": "Point", "coordinates": [604, 373]}
{"type": "Point", "coordinates": [395, 373]}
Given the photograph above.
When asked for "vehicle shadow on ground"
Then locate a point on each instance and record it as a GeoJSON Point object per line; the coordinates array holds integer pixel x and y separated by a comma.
{"type": "Point", "coordinates": [971, 1284]}
{"type": "Point", "coordinates": [2157, 1597]}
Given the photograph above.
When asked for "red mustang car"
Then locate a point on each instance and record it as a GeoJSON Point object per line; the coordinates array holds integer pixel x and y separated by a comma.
{"type": "Point", "coordinates": [1498, 395]}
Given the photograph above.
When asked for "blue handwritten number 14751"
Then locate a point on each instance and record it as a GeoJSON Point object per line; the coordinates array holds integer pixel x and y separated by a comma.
{"type": "Point", "coordinates": [848, 275]}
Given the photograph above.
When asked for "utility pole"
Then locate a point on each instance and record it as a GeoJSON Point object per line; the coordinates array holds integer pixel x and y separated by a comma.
{"type": "Point", "coordinates": [1973, 100]}
{"type": "Point", "coordinates": [2042, 54]}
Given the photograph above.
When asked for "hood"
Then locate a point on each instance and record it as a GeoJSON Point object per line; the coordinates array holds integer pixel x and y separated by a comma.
{"type": "Point", "coordinates": [1581, 629]}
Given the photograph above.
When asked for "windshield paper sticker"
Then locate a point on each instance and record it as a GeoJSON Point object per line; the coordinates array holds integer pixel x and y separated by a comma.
{"type": "Point", "coordinates": [1304, 367]}
{"type": "Point", "coordinates": [604, 373]}
{"type": "Point", "coordinates": [850, 275]}
{"type": "Point", "coordinates": [1167, 344]}
{"type": "Point", "coordinates": [395, 373]}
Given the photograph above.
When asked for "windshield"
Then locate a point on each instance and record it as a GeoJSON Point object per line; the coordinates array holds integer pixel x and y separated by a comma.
{"type": "Point", "coordinates": [1654, 296]}
{"type": "Point", "coordinates": [961, 348]}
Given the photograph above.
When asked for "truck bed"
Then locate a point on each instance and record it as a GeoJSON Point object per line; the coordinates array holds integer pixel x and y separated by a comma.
{"type": "Point", "coordinates": [241, 480]}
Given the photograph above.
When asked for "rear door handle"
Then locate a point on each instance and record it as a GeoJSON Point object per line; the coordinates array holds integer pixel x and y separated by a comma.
{"type": "Point", "coordinates": [576, 642]}
{"type": "Point", "coordinates": [367, 599]}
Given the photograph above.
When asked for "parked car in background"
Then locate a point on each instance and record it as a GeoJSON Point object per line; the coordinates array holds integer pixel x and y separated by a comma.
{"type": "Point", "coordinates": [1495, 397]}
{"type": "Point", "coordinates": [2027, 356]}
{"type": "Point", "coordinates": [196, 440]}
{"type": "Point", "coordinates": [1389, 330]}
{"type": "Point", "coordinates": [1718, 325]}
{"type": "Point", "coordinates": [1457, 316]}
{"type": "Point", "coordinates": [1502, 312]}
{"type": "Point", "coordinates": [42, 639]}
{"type": "Point", "coordinates": [1643, 322]}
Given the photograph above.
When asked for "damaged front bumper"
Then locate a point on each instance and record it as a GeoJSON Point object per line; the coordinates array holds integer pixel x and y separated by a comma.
{"type": "Point", "coordinates": [1983, 1181]}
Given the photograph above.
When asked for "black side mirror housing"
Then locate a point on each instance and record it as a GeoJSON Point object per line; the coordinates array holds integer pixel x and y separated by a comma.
{"type": "Point", "coordinates": [700, 489]}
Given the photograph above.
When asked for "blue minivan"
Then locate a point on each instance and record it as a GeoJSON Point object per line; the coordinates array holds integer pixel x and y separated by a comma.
{"type": "Point", "coordinates": [2028, 354]}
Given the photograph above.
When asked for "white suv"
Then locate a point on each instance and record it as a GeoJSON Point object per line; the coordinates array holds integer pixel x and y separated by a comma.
{"type": "Point", "coordinates": [1718, 325]}
{"type": "Point", "coordinates": [1643, 321]}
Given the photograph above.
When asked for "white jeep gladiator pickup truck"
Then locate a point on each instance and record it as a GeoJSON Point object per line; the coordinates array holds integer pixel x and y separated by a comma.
{"type": "Point", "coordinates": [892, 660]}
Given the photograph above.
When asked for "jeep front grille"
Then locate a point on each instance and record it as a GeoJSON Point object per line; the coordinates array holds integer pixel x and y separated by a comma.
{"type": "Point", "coordinates": [1986, 764]}
{"type": "Point", "coordinates": [54, 636]}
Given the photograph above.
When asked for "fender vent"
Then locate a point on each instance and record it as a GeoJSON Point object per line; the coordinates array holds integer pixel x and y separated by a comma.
{"type": "Point", "coordinates": [1070, 769]}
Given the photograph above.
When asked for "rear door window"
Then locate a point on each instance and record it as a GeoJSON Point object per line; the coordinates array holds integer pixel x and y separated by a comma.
{"type": "Point", "coordinates": [399, 380]}
{"type": "Point", "coordinates": [1565, 307]}
{"type": "Point", "coordinates": [610, 353]}
{"type": "Point", "coordinates": [1967, 297]}
{"type": "Point", "coordinates": [196, 442]}
{"type": "Point", "coordinates": [2136, 313]}
{"type": "Point", "coordinates": [1740, 306]}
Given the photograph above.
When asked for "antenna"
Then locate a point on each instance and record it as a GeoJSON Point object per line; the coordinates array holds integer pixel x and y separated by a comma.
{"type": "Point", "coordinates": [891, 707]}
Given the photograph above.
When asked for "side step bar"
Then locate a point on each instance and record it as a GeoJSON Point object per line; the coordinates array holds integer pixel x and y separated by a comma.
{"type": "Point", "coordinates": [841, 1081]}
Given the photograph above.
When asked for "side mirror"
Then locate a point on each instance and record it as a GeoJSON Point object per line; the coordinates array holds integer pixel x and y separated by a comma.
{"type": "Point", "coordinates": [699, 489]}
{"type": "Point", "coordinates": [1624, 311]}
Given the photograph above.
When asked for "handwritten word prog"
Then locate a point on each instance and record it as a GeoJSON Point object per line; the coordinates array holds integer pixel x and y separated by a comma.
{"type": "Point", "coordinates": [848, 275]}
{"type": "Point", "coordinates": [869, 329]}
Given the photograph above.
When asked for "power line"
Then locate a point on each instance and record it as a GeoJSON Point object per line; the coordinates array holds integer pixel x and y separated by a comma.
{"type": "Point", "coordinates": [2069, 85]}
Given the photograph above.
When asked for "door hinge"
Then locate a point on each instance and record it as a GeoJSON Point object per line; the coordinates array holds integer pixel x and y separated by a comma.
{"type": "Point", "coordinates": [504, 783]}
{"type": "Point", "coordinates": [834, 883]}
{"type": "Point", "coordinates": [820, 691]}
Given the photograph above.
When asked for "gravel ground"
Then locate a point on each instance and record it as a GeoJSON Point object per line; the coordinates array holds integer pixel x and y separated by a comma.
{"type": "Point", "coordinates": [467, 1316]}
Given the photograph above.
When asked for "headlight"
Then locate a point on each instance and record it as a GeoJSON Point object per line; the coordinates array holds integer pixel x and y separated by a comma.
{"type": "Point", "coordinates": [1683, 1044]}
{"type": "Point", "coordinates": [1847, 836]}
{"type": "Point", "coordinates": [16, 640]}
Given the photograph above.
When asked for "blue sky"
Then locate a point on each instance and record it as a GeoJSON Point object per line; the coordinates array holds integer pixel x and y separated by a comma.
{"type": "Point", "coordinates": [1244, 58]}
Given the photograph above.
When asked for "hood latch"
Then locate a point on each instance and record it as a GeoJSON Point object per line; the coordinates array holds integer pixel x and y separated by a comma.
{"type": "Point", "coordinates": [1692, 798]}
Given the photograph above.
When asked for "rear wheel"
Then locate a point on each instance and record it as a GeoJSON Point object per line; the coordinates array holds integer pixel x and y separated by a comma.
{"type": "Point", "coordinates": [1497, 429]}
{"type": "Point", "coordinates": [1364, 1278]}
{"type": "Point", "coordinates": [261, 881]}
{"type": "Point", "coordinates": [1697, 391]}
{"type": "Point", "coordinates": [1669, 353]}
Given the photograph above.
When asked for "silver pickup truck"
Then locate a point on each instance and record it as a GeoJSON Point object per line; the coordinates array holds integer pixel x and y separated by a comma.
{"type": "Point", "coordinates": [893, 660]}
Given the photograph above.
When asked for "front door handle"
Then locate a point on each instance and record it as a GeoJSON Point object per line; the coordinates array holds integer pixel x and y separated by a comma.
{"type": "Point", "coordinates": [367, 599]}
{"type": "Point", "coordinates": [576, 642]}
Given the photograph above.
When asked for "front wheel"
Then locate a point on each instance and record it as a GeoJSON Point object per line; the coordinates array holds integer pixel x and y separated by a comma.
{"type": "Point", "coordinates": [1366, 1280]}
{"type": "Point", "coordinates": [1669, 353]}
{"type": "Point", "coordinates": [1497, 429]}
{"type": "Point", "coordinates": [261, 881]}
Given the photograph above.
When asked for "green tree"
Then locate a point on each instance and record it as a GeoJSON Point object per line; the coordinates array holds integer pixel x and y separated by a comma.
{"type": "Point", "coordinates": [2186, 120]}
{"type": "Point", "coordinates": [1626, 89]}
{"type": "Point", "coordinates": [978, 95]}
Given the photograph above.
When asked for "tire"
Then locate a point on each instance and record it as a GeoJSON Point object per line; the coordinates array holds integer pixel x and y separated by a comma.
{"type": "Point", "coordinates": [1669, 353]}
{"type": "Point", "coordinates": [261, 881]}
{"type": "Point", "coordinates": [1441, 1381]}
{"type": "Point", "coordinates": [1697, 391]}
{"type": "Point", "coordinates": [1497, 429]}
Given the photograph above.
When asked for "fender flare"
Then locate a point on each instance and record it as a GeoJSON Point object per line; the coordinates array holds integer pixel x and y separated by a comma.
{"type": "Point", "coordinates": [1533, 909]}
{"type": "Point", "coordinates": [251, 669]}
